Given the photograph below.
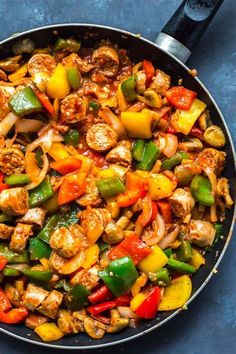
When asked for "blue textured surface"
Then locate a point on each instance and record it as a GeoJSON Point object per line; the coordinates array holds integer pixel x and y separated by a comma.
{"type": "Point", "coordinates": [209, 326]}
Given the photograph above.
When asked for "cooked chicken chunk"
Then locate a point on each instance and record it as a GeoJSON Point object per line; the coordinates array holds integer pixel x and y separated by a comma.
{"type": "Point", "coordinates": [13, 294]}
{"type": "Point", "coordinates": [33, 297]}
{"type": "Point", "coordinates": [34, 216]}
{"type": "Point", "coordinates": [181, 202]}
{"type": "Point", "coordinates": [222, 190]}
{"type": "Point", "coordinates": [73, 108]}
{"type": "Point", "coordinates": [20, 237]}
{"type": "Point", "coordinates": [121, 154]}
{"type": "Point", "coordinates": [51, 304]}
{"type": "Point", "coordinates": [68, 323]}
{"type": "Point", "coordinates": [160, 82]}
{"type": "Point", "coordinates": [14, 201]}
{"type": "Point", "coordinates": [200, 232]}
{"type": "Point", "coordinates": [6, 231]}
{"type": "Point", "coordinates": [91, 196]}
{"type": "Point", "coordinates": [212, 159]}
{"type": "Point", "coordinates": [41, 63]}
{"type": "Point", "coordinates": [34, 320]}
{"type": "Point", "coordinates": [106, 60]}
{"type": "Point", "coordinates": [89, 278]}
{"type": "Point", "coordinates": [66, 241]}
{"type": "Point", "coordinates": [101, 137]}
{"type": "Point", "coordinates": [5, 94]}
{"type": "Point", "coordinates": [12, 161]}
{"type": "Point", "coordinates": [81, 64]}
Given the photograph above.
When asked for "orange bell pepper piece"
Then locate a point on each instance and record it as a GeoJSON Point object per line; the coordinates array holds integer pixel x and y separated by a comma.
{"type": "Point", "coordinates": [67, 165]}
{"type": "Point", "coordinates": [165, 210]}
{"type": "Point", "coordinates": [136, 187]}
{"type": "Point", "coordinates": [72, 187]}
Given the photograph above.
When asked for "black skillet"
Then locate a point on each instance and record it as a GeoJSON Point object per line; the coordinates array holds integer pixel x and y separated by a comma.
{"type": "Point", "coordinates": [174, 45]}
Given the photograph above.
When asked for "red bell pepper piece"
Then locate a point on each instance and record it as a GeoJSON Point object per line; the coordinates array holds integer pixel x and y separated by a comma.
{"type": "Point", "coordinates": [2, 185]}
{"type": "Point", "coordinates": [99, 308]}
{"type": "Point", "coordinates": [197, 132]}
{"type": "Point", "coordinates": [67, 165]}
{"type": "Point", "coordinates": [165, 210]}
{"type": "Point", "coordinates": [102, 294]}
{"type": "Point", "coordinates": [14, 316]}
{"type": "Point", "coordinates": [180, 97]}
{"type": "Point", "coordinates": [3, 262]}
{"type": "Point", "coordinates": [148, 308]}
{"type": "Point", "coordinates": [4, 301]}
{"type": "Point", "coordinates": [171, 130]}
{"type": "Point", "coordinates": [72, 187]}
{"type": "Point", "coordinates": [136, 187]}
{"type": "Point", "coordinates": [154, 211]}
{"type": "Point", "coordinates": [45, 102]}
{"type": "Point", "coordinates": [149, 71]}
{"type": "Point", "coordinates": [123, 300]}
{"type": "Point", "coordinates": [131, 246]}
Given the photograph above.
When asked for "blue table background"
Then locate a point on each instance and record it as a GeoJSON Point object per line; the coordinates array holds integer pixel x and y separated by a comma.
{"type": "Point", "coordinates": [209, 326]}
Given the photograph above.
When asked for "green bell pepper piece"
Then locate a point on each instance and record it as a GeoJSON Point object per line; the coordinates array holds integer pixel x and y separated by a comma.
{"type": "Point", "coordinates": [111, 186]}
{"type": "Point", "coordinates": [62, 284]}
{"type": "Point", "coordinates": [119, 275]}
{"type": "Point", "coordinates": [94, 105]}
{"type": "Point", "coordinates": [168, 252]}
{"type": "Point", "coordinates": [14, 270]}
{"type": "Point", "coordinates": [74, 77]}
{"type": "Point", "coordinates": [72, 137]}
{"type": "Point", "coordinates": [40, 275]}
{"type": "Point", "coordinates": [39, 156]}
{"type": "Point", "coordinates": [77, 297]}
{"type": "Point", "coordinates": [173, 161]}
{"type": "Point", "coordinates": [38, 249]}
{"type": "Point", "coordinates": [201, 190]}
{"type": "Point", "coordinates": [150, 155]}
{"type": "Point", "coordinates": [218, 228]}
{"type": "Point", "coordinates": [25, 102]}
{"type": "Point", "coordinates": [103, 246]}
{"type": "Point", "coordinates": [161, 278]}
{"type": "Point", "coordinates": [185, 251]}
{"type": "Point", "coordinates": [137, 149]}
{"type": "Point", "coordinates": [40, 194]}
{"type": "Point", "coordinates": [180, 267]}
{"type": "Point", "coordinates": [69, 44]}
{"type": "Point", "coordinates": [12, 256]}
{"type": "Point", "coordinates": [48, 229]}
{"type": "Point", "coordinates": [17, 179]}
{"type": "Point", "coordinates": [128, 88]}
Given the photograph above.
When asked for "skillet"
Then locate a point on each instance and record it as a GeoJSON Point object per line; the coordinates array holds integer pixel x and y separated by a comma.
{"type": "Point", "coordinates": [174, 46]}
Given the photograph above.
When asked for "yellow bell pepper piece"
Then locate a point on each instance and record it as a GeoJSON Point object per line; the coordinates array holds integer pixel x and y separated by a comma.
{"type": "Point", "coordinates": [110, 102]}
{"type": "Point", "coordinates": [137, 301]}
{"type": "Point", "coordinates": [197, 259]}
{"type": "Point", "coordinates": [155, 115]}
{"type": "Point", "coordinates": [57, 85]}
{"type": "Point", "coordinates": [176, 294]}
{"type": "Point", "coordinates": [45, 263]}
{"type": "Point", "coordinates": [139, 283]}
{"type": "Point", "coordinates": [183, 121]}
{"type": "Point", "coordinates": [137, 124]}
{"type": "Point", "coordinates": [58, 151]}
{"type": "Point", "coordinates": [109, 172]}
{"type": "Point", "coordinates": [159, 186]}
{"type": "Point", "coordinates": [154, 262]}
{"type": "Point", "coordinates": [91, 254]}
{"type": "Point", "coordinates": [18, 74]}
{"type": "Point", "coordinates": [122, 103]}
{"type": "Point", "coordinates": [48, 332]}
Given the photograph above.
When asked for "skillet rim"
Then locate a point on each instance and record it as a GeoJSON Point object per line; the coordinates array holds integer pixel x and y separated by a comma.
{"type": "Point", "coordinates": [185, 67]}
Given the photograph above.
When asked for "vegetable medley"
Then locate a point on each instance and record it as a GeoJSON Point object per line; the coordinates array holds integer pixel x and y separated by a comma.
{"type": "Point", "coordinates": [110, 189]}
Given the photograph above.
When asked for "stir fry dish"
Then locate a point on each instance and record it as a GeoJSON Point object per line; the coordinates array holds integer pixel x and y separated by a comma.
{"type": "Point", "coordinates": [111, 189]}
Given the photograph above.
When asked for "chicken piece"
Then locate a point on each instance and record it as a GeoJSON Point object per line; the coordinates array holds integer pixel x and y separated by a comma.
{"type": "Point", "coordinates": [212, 159]}
{"type": "Point", "coordinates": [34, 320]}
{"type": "Point", "coordinates": [161, 82]}
{"type": "Point", "coordinates": [12, 161]}
{"type": "Point", "coordinates": [10, 64]}
{"type": "Point", "coordinates": [56, 262]}
{"type": "Point", "coordinates": [91, 196]}
{"type": "Point", "coordinates": [41, 63]}
{"type": "Point", "coordinates": [222, 190]}
{"type": "Point", "coordinates": [75, 60]}
{"type": "Point", "coordinates": [106, 60]}
{"type": "Point", "coordinates": [5, 231]}
{"type": "Point", "coordinates": [34, 216]}
{"type": "Point", "coordinates": [51, 304]}
{"type": "Point", "coordinates": [14, 201]}
{"type": "Point", "coordinates": [66, 241]}
{"type": "Point", "coordinates": [73, 108]}
{"type": "Point", "coordinates": [101, 137]}
{"type": "Point", "coordinates": [181, 202]}
{"type": "Point", "coordinates": [13, 294]}
{"type": "Point", "coordinates": [20, 237]}
{"type": "Point", "coordinates": [113, 233]}
{"type": "Point", "coordinates": [93, 221]}
{"type": "Point", "coordinates": [200, 232]}
{"type": "Point", "coordinates": [33, 297]}
{"type": "Point", "coordinates": [89, 278]}
{"type": "Point", "coordinates": [121, 154]}
{"type": "Point", "coordinates": [68, 323]}
{"type": "Point", "coordinates": [94, 328]}
{"type": "Point", "coordinates": [6, 93]}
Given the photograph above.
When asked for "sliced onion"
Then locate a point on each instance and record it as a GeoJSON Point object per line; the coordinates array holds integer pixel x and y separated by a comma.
{"type": "Point", "coordinates": [7, 123]}
{"type": "Point", "coordinates": [170, 238]}
{"type": "Point", "coordinates": [45, 141]}
{"type": "Point", "coordinates": [126, 312]}
{"type": "Point", "coordinates": [111, 119]}
{"type": "Point", "coordinates": [28, 125]}
{"type": "Point", "coordinates": [134, 322]}
{"type": "Point", "coordinates": [41, 175]}
{"type": "Point", "coordinates": [162, 143]}
{"type": "Point", "coordinates": [171, 145]}
{"type": "Point", "coordinates": [158, 233]}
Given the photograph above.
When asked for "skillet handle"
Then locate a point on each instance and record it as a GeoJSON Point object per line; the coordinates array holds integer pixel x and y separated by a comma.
{"type": "Point", "coordinates": [183, 31]}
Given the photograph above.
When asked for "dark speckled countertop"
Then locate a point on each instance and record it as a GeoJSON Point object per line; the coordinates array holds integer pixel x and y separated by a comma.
{"type": "Point", "coordinates": [209, 325]}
